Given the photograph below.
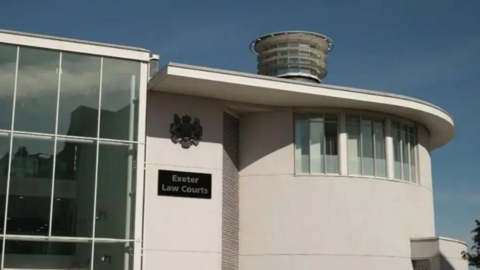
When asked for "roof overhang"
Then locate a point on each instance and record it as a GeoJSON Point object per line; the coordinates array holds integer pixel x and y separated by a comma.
{"type": "Point", "coordinates": [276, 92]}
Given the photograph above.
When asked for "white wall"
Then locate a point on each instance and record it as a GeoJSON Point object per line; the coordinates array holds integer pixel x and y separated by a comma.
{"type": "Point", "coordinates": [320, 222]}
{"type": "Point", "coordinates": [182, 233]}
{"type": "Point", "coordinates": [443, 253]}
{"type": "Point", "coordinates": [423, 152]}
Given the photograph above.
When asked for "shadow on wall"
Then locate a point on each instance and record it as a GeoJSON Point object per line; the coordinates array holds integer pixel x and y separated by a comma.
{"type": "Point", "coordinates": [439, 262]}
{"type": "Point", "coordinates": [445, 264]}
{"type": "Point", "coordinates": [262, 134]}
{"type": "Point", "coordinates": [162, 107]}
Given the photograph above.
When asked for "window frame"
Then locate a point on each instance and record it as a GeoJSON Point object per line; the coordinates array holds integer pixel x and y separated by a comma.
{"type": "Point", "coordinates": [406, 131]}
{"type": "Point", "coordinates": [374, 147]}
{"type": "Point", "coordinates": [422, 260]}
{"type": "Point", "coordinates": [388, 121]}
{"type": "Point", "coordinates": [338, 123]}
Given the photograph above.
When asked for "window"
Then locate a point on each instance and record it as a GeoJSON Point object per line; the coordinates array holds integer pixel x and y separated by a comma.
{"type": "Point", "coordinates": [404, 141]}
{"type": "Point", "coordinates": [366, 146]}
{"type": "Point", "coordinates": [316, 143]}
{"type": "Point", "coordinates": [421, 264]}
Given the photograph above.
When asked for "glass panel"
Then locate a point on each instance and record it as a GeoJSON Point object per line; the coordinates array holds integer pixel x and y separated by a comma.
{"type": "Point", "coordinates": [396, 153]}
{"type": "Point", "coordinates": [8, 60]}
{"type": "Point", "coordinates": [331, 117]}
{"type": "Point", "coordinates": [79, 94]}
{"type": "Point", "coordinates": [120, 84]}
{"type": "Point", "coordinates": [413, 159]}
{"type": "Point", "coordinates": [405, 156]}
{"type": "Point", "coordinates": [21, 255]}
{"type": "Point", "coordinates": [36, 100]}
{"type": "Point", "coordinates": [114, 205]}
{"type": "Point", "coordinates": [74, 189]}
{"type": "Point", "coordinates": [421, 264]}
{"type": "Point", "coordinates": [302, 147]}
{"type": "Point", "coordinates": [366, 120]}
{"type": "Point", "coordinates": [316, 147]}
{"type": "Point", "coordinates": [4, 154]}
{"type": "Point", "coordinates": [30, 186]}
{"type": "Point", "coordinates": [380, 155]}
{"type": "Point", "coordinates": [331, 145]}
{"type": "Point", "coordinates": [367, 149]}
{"type": "Point", "coordinates": [316, 117]}
{"type": "Point", "coordinates": [112, 256]}
{"type": "Point", "coordinates": [354, 149]}
{"type": "Point", "coordinates": [353, 119]}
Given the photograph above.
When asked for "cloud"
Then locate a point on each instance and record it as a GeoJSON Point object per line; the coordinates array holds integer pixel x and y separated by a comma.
{"type": "Point", "coordinates": [80, 76]}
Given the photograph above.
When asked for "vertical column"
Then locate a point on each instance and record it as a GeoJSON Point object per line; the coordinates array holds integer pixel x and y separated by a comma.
{"type": "Point", "coordinates": [389, 149]}
{"type": "Point", "coordinates": [97, 150]}
{"type": "Point", "coordinates": [140, 167]}
{"type": "Point", "coordinates": [7, 190]}
{"type": "Point", "coordinates": [342, 145]}
{"type": "Point", "coordinates": [52, 192]}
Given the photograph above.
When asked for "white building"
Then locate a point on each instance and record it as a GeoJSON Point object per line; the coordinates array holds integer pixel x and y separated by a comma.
{"type": "Point", "coordinates": [100, 167]}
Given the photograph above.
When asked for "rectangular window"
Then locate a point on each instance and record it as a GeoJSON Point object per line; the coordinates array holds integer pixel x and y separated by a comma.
{"type": "Point", "coordinates": [421, 264]}
{"type": "Point", "coordinates": [397, 155]}
{"type": "Point", "coordinates": [302, 144]}
{"type": "Point", "coordinates": [413, 169]}
{"type": "Point", "coordinates": [353, 145]}
{"type": "Point", "coordinates": [366, 146]}
{"type": "Point", "coordinates": [380, 149]}
{"type": "Point", "coordinates": [404, 142]}
{"type": "Point", "coordinates": [405, 155]}
{"type": "Point", "coordinates": [316, 143]}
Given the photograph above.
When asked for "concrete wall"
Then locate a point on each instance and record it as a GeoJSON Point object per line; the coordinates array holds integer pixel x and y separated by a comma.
{"type": "Point", "coordinates": [443, 253]}
{"type": "Point", "coordinates": [320, 222]}
{"type": "Point", "coordinates": [183, 233]}
{"type": "Point", "coordinates": [423, 152]}
{"type": "Point", "coordinates": [285, 221]}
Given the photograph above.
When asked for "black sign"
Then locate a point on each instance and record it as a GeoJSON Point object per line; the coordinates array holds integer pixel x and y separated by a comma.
{"type": "Point", "coordinates": [184, 184]}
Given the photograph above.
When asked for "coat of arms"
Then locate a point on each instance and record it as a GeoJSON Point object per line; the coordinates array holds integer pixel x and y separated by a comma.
{"type": "Point", "coordinates": [186, 132]}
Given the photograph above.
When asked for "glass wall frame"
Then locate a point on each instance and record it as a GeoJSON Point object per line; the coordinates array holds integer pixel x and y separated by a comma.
{"type": "Point", "coordinates": [22, 81]}
{"type": "Point", "coordinates": [371, 145]}
{"type": "Point", "coordinates": [404, 140]}
{"type": "Point", "coordinates": [317, 143]}
{"type": "Point", "coordinates": [382, 126]}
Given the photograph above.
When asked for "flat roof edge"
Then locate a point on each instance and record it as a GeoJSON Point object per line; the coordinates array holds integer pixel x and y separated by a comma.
{"type": "Point", "coordinates": [73, 40]}
{"type": "Point", "coordinates": [438, 238]}
{"type": "Point", "coordinates": [334, 87]}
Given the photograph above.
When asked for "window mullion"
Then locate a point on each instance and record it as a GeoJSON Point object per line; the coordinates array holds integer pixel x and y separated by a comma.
{"type": "Point", "coordinates": [323, 147]}
{"type": "Point", "coordinates": [409, 156]}
{"type": "Point", "coordinates": [309, 143]}
{"type": "Point", "coordinates": [374, 149]}
{"type": "Point", "coordinates": [361, 145]}
{"type": "Point", "coordinates": [401, 151]}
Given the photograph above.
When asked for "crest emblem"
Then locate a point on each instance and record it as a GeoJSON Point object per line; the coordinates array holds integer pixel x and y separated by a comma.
{"type": "Point", "coordinates": [186, 132]}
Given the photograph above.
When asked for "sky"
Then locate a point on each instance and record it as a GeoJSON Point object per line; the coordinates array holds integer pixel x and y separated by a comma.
{"type": "Point", "coordinates": [427, 49]}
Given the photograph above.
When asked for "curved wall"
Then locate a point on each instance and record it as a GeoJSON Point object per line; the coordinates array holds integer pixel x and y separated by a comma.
{"type": "Point", "coordinates": [323, 222]}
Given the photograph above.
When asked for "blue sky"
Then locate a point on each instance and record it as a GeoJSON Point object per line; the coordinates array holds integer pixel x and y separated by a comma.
{"type": "Point", "coordinates": [428, 49]}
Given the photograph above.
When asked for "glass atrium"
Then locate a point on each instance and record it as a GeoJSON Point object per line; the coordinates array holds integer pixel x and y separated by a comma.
{"type": "Point", "coordinates": [68, 153]}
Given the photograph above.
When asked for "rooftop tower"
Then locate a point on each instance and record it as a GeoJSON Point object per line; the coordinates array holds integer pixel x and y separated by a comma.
{"type": "Point", "coordinates": [297, 55]}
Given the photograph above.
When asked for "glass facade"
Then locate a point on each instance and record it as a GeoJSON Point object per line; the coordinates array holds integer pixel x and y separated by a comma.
{"type": "Point", "coordinates": [403, 137]}
{"type": "Point", "coordinates": [68, 140]}
{"type": "Point", "coordinates": [366, 146]}
{"type": "Point", "coordinates": [316, 145]}
{"type": "Point", "coordinates": [318, 139]}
